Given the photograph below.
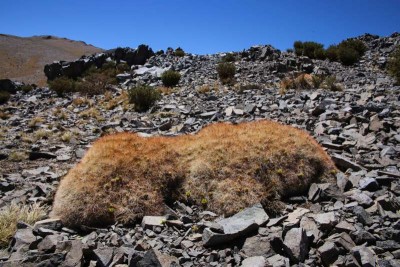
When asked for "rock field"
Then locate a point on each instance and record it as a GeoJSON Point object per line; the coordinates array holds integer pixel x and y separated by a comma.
{"type": "Point", "coordinates": [353, 222]}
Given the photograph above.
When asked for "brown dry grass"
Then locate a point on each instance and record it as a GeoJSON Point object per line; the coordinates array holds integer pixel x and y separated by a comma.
{"type": "Point", "coordinates": [24, 58]}
{"type": "Point", "coordinates": [13, 213]}
{"type": "Point", "coordinates": [124, 177]}
{"type": "Point", "coordinates": [307, 81]}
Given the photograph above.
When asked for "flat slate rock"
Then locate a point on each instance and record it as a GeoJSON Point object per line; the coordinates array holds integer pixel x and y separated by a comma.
{"type": "Point", "coordinates": [239, 225]}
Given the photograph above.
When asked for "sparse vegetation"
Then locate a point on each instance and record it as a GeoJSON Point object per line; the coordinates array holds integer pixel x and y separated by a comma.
{"type": "Point", "coordinates": [4, 97]}
{"type": "Point", "coordinates": [179, 52]}
{"type": "Point", "coordinates": [13, 213]}
{"type": "Point", "coordinates": [26, 88]}
{"type": "Point", "coordinates": [66, 137]}
{"type": "Point", "coordinates": [393, 66]}
{"type": "Point", "coordinates": [240, 88]}
{"type": "Point", "coordinates": [143, 97]}
{"type": "Point", "coordinates": [62, 85]}
{"type": "Point", "coordinates": [17, 156]}
{"type": "Point", "coordinates": [347, 52]}
{"type": "Point", "coordinates": [309, 49]}
{"type": "Point", "coordinates": [34, 122]}
{"type": "Point", "coordinates": [42, 134]}
{"type": "Point", "coordinates": [229, 58]}
{"type": "Point", "coordinates": [166, 90]}
{"type": "Point", "coordinates": [332, 53]}
{"type": "Point", "coordinates": [207, 88]}
{"type": "Point", "coordinates": [94, 81]}
{"type": "Point", "coordinates": [307, 81]}
{"type": "Point", "coordinates": [230, 166]}
{"type": "Point", "coordinates": [90, 113]}
{"type": "Point", "coordinates": [226, 72]}
{"type": "Point", "coordinates": [170, 78]}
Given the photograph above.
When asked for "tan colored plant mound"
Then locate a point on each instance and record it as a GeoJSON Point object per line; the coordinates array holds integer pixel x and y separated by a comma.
{"type": "Point", "coordinates": [228, 167]}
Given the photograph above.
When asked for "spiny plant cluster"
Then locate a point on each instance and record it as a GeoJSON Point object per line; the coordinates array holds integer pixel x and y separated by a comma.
{"type": "Point", "coordinates": [224, 168]}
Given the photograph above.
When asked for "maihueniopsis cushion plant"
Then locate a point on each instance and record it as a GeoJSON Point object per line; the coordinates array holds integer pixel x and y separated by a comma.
{"type": "Point", "coordinates": [223, 167]}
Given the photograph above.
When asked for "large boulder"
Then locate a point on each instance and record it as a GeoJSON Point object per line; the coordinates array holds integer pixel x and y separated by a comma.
{"type": "Point", "coordinates": [73, 69]}
{"type": "Point", "coordinates": [131, 56]}
{"type": "Point", "coordinates": [8, 86]}
{"type": "Point", "coordinates": [53, 70]}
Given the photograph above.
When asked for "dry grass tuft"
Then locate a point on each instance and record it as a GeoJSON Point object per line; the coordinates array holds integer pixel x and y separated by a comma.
{"type": "Point", "coordinates": [11, 214]}
{"type": "Point", "coordinates": [224, 167]}
{"type": "Point", "coordinates": [207, 88]}
{"type": "Point", "coordinates": [307, 81]}
{"type": "Point", "coordinates": [17, 156]}
{"type": "Point", "coordinates": [35, 122]}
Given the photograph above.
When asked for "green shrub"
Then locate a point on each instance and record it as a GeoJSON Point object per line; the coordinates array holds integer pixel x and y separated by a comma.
{"type": "Point", "coordinates": [94, 81]}
{"type": "Point", "coordinates": [122, 67]}
{"type": "Point", "coordinates": [143, 97]}
{"type": "Point", "coordinates": [332, 53]}
{"type": "Point", "coordinates": [170, 78]}
{"type": "Point", "coordinates": [229, 58]}
{"type": "Point", "coordinates": [312, 50]}
{"type": "Point", "coordinates": [357, 45]}
{"type": "Point", "coordinates": [350, 51]}
{"type": "Point", "coordinates": [330, 83]}
{"type": "Point", "coordinates": [26, 88]}
{"type": "Point", "coordinates": [4, 97]}
{"type": "Point", "coordinates": [226, 72]}
{"type": "Point", "coordinates": [348, 56]}
{"type": "Point", "coordinates": [62, 85]}
{"type": "Point", "coordinates": [393, 66]}
{"type": "Point", "coordinates": [179, 52]}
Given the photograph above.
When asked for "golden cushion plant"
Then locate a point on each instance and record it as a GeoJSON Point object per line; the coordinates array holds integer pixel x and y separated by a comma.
{"type": "Point", "coordinates": [226, 167]}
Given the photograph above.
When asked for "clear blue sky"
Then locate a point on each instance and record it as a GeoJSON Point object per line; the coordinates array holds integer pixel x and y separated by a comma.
{"type": "Point", "coordinates": [201, 26]}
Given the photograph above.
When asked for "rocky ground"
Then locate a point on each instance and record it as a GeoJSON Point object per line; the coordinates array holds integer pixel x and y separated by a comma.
{"type": "Point", "coordinates": [353, 222]}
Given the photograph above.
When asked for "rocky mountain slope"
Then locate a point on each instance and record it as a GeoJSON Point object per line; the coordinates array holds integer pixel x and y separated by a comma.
{"type": "Point", "coordinates": [353, 222]}
{"type": "Point", "coordinates": [23, 58]}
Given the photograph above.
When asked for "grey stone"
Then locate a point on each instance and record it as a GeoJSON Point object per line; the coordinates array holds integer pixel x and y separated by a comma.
{"type": "Point", "coordinates": [296, 244]}
{"type": "Point", "coordinates": [257, 246]}
{"type": "Point", "coordinates": [23, 237]}
{"type": "Point", "coordinates": [238, 225]}
{"type": "Point", "coordinates": [362, 215]}
{"type": "Point", "coordinates": [365, 256]}
{"type": "Point", "coordinates": [104, 256]}
{"type": "Point", "coordinates": [49, 244]}
{"type": "Point", "coordinates": [369, 184]}
{"type": "Point", "coordinates": [256, 261]}
{"type": "Point", "coordinates": [52, 224]}
{"type": "Point", "coordinates": [277, 261]}
{"type": "Point", "coordinates": [344, 226]}
{"type": "Point", "coordinates": [329, 253]}
{"type": "Point", "coordinates": [388, 245]}
{"type": "Point", "coordinates": [34, 155]}
{"type": "Point", "coordinates": [344, 163]}
{"type": "Point", "coordinates": [154, 258]}
{"type": "Point", "coordinates": [326, 220]}
{"type": "Point", "coordinates": [149, 222]}
{"type": "Point", "coordinates": [74, 256]}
